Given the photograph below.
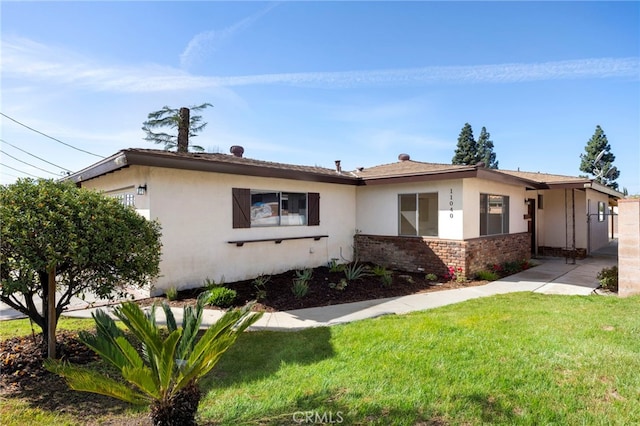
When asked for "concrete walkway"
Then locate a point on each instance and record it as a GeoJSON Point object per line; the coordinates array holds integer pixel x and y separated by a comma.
{"type": "Point", "coordinates": [551, 276]}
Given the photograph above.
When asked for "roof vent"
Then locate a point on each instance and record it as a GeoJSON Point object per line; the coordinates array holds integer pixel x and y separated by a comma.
{"type": "Point", "coordinates": [338, 167]}
{"type": "Point", "coordinates": [404, 157]}
{"type": "Point", "coordinates": [237, 150]}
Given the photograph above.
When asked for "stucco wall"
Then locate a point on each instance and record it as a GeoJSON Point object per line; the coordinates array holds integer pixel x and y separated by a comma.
{"type": "Point", "coordinates": [458, 205]}
{"type": "Point", "coordinates": [629, 247]}
{"type": "Point", "coordinates": [195, 211]}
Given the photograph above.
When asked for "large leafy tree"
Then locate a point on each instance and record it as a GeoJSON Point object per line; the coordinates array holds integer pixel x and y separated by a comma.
{"type": "Point", "coordinates": [92, 243]}
{"type": "Point", "coordinates": [179, 120]}
{"type": "Point", "coordinates": [598, 159]}
{"type": "Point", "coordinates": [466, 152]}
{"type": "Point", "coordinates": [165, 374]}
{"type": "Point", "coordinates": [485, 150]}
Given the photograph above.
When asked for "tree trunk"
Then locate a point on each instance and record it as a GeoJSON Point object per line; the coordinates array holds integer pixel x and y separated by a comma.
{"type": "Point", "coordinates": [183, 130]}
{"type": "Point", "coordinates": [179, 410]}
{"type": "Point", "coordinates": [51, 314]}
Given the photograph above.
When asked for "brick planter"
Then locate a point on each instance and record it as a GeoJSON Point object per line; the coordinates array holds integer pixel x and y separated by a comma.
{"type": "Point", "coordinates": [434, 255]}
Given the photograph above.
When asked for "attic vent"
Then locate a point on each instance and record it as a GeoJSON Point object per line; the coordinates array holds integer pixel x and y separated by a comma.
{"type": "Point", "coordinates": [404, 157]}
{"type": "Point", "coordinates": [237, 150]}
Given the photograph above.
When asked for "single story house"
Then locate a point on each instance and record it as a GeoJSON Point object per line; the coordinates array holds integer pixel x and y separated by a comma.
{"type": "Point", "coordinates": [228, 217]}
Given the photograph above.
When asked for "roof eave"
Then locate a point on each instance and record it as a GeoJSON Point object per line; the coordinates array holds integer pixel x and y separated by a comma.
{"type": "Point", "coordinates": [127, 158]}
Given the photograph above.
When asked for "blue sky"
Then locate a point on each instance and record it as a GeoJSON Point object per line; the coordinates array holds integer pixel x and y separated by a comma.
{"type": "Point", "coordinates": [314, 82]}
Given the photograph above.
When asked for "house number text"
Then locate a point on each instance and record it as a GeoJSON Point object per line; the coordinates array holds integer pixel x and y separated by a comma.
{"type": "Point", "coordinates": [451, 203]}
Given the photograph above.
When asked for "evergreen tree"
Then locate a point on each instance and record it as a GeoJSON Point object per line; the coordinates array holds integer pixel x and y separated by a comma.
{"type": "Point", "coordinates": [466, 152]}
{"type": "Point", "coordinates": [598, 159]}
{"type": "Point", "coordinates": [178, 119]}
{"type": "Point", "coordinates": [485, 150]}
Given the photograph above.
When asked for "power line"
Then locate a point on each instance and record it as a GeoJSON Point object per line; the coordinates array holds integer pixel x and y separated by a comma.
{"type": "Point", "coordinates": [35, 156]}
{"type": "Point", "coordinates": [28, 164]}
{"type": "Point", "coordinates": [50, 137]}
{"type": "Point", "coordinates": [19, 171]}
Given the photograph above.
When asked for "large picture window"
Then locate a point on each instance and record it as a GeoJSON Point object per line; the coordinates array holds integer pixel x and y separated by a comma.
{"type": "Point", "coordinates": [494, 214]}
{"type": "Point", "coordinates": [257, 208]}
{"type": "Point", "coordinates": [418, 214]}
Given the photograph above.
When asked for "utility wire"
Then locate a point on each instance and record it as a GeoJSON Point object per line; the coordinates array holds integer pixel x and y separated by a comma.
{"type": "Point", "coordinates": [50, 137]}
{"type": "Point", "coordinates": [20, 171]}
{"type": "Point", "coordinates": [35, 156]}
{"type": "Point", "coordinates": [31, 165]}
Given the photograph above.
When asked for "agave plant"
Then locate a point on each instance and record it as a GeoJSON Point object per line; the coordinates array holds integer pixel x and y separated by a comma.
{"type": "Point", "coordinates": [165, 374]}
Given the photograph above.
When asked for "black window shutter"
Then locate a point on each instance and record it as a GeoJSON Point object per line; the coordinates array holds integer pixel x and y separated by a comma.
{"type": "Point", "coordinates": [241, 207]}
{"type": "Point", "coordinates": [313, 198]}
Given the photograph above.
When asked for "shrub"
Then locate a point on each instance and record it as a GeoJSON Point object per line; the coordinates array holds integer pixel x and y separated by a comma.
{"type": "Point", "coordinates": [353, 271]}
{"type": "Point", "coordinates": [165, 374]}
{"type": "Point", "coordinates": [454, 274]}
{"type": "Point", "coordinates": [260, 284]}
{"type": "Point", "coordinates": [340, 285]}
{"type": "Point", "coordinates": [221, 297]}
{"type": "Point", "coordinates": [172, 293]}
{"type": "Point", "coordinates": [487, 275]}
{"type": "Point", "coordinates": [431, 277]}
{"type": "Point", "coordinates": [608, 278]}
{"type": "Point", "coordinates": [334, 266]}
{"type": "Point", "coordinates": [300, 286]}
{"type": "Point", "coordinates": [387, 279]}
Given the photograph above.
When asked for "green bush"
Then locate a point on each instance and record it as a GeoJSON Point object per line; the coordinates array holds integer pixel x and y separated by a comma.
{"type": "Point", "coordinates": [172, 293]}
{"type": "Point", "coordinates": [353, 271]}
{"type": "Point", "coordinates": [608, 278]}
{"type": "Point", "coordinates": [487, 275]}
{"type": "Point", "coordinates": [431, 277]}
{"type": "Point", "coordinates": [334, 266]}
{"type": "Point", "coordinates": [221, 297]}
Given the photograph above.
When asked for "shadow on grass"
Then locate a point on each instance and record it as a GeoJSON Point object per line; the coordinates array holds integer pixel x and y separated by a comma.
{"type": "Point", "coordinates": [492, 410]}
{"type": "Point", "coordinates": [259, 354]}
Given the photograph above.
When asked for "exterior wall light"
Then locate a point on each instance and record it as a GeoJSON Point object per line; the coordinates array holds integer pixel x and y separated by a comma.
{"type": "Point", "coordinates": [142, 189]}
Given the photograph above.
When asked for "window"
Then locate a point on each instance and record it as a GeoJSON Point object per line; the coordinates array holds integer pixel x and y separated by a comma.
{"type": "Point", "coordinates": [256, 208]}
{"type": "Point", "coordinates": [494, 214]}
{"type": "Point", "coordinates": [418, 214]}
{"type": "Point", "coordinates": [601, 211]}
{"type": "Point", "coordinates": [127, 199]}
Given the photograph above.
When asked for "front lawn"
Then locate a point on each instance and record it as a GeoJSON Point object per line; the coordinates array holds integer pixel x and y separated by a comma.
{"type": "Point", "coordinates": [519, 358]}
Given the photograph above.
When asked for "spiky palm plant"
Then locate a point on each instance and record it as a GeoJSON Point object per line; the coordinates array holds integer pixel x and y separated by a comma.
{"type": "Point", "coordinates": [165, 374]}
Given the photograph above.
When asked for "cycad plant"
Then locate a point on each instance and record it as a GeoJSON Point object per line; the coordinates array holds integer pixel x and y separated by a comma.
{"type": "Point", "coordinates": [165, 374]}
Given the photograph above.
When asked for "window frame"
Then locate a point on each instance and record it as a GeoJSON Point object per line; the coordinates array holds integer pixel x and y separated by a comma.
{"type": "Point", "coordinates": [486, 224]}
{"type": "Point", "coordinates": [242, 207]}
{"type": "Point", "coordinates": [416, 224]}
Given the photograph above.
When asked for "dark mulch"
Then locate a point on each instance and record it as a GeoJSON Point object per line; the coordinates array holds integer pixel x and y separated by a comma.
{"type": "Point", "coordinates": [280, 297]}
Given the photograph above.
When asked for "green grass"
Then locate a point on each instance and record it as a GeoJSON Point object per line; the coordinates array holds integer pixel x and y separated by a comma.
{"type": "Point", "coordinates": [514, 359]}
{"type": "Point", "coordinates": [22, 327]}
{"type": "Point", "coordinates": [523, 359]}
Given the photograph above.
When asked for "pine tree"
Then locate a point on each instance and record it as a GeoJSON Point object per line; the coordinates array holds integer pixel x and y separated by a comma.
{"type": "Point", "coordinates": [179, 119]}
{"type": "Point", "coordinates": [485, 150]}
{"type": "Point", "coordinates": [598, 159]}
{"type": "Point", "coordinates": [466, 152]}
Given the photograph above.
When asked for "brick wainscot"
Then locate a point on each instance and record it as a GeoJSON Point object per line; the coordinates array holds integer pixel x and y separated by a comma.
{"type": "Point", "coordinates": [434, 255]}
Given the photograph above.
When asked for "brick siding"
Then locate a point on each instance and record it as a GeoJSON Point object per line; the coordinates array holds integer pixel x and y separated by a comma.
{"type": "Point", "coordinates": [433, 255]}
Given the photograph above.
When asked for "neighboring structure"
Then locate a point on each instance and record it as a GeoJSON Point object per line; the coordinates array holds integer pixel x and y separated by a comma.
{"type": "Point", "coordinates": [629, 247]}
{"type": "Point", "coordinates": [226, 217]}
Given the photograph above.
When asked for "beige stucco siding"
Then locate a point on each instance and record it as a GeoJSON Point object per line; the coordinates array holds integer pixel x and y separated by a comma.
{"type": "Point", "coordinates": [458, 205]}
{"type": "Point", "coordinates": [377, 207]}
{"type": "Point", "coordinates": [195, 211]}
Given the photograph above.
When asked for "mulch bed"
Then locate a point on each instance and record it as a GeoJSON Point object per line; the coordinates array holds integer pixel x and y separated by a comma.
{"type": "Point", "coordinates": [280, 297]}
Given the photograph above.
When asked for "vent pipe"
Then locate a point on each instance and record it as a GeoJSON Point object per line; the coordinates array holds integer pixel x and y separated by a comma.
{"type": "Point", "coordinates": [237, 150]}
{"type": "Point", "coordinates": [338, 167]}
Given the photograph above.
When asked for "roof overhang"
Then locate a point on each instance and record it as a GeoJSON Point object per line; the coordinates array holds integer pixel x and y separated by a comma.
{"type": "Point", "coordinates": [126, 158]}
